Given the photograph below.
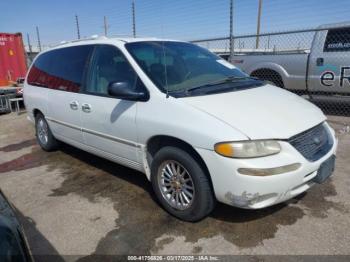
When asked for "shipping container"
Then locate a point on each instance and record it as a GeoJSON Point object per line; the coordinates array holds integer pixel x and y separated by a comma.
{"type": "Point", "coordinates": [12, 58]}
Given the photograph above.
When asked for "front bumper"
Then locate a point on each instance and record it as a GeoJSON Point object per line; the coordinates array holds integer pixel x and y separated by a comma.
{"type": "Point", "coordinates": [253, 192]}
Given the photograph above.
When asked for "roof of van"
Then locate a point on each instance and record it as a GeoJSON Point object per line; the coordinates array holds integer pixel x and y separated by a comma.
{"type": "Point", "coordinates": [104, 39]}
{"type": "Point", "coordinates": [335, 25]}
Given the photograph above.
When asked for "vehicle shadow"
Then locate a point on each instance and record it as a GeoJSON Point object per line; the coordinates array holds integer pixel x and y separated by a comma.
{"type": "Point", "coordinates": [41, 248]}
{"type": "Point", "coordinates": [127, 174]}
{"type": "Point", "coordinates": [119, 109]}
{"type": "Point", "coordinates": [141, 220]}
{"type": "Point", "coordinates": [221, 212]}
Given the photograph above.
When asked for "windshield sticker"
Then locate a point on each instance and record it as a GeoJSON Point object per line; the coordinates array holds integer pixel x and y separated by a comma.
{"type": "Point", "coordinates": [225, 63]}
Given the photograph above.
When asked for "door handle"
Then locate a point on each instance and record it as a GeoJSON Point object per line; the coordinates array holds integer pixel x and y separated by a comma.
{"type": "Point", "coordinates": [74, 105]}
{"type": "Point", "coordinates": [319, 61]}
{"type": "Point", "coordinates": [86, 108]}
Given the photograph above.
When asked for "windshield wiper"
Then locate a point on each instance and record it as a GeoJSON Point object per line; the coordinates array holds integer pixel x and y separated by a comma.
{"type": "Point", "coordinates": [218, 82]}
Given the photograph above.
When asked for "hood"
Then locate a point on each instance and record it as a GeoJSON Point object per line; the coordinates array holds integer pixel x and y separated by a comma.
{"type": "Point", "coordinates": [266, 112]}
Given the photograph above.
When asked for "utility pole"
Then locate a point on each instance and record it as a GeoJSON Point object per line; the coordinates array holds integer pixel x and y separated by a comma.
{"type": "Point", "coordinates": [77, 24]}
{"type": "Point", "coordinates": [38, 37]}
{"type": "Point", "coordinates": [133, 19]}
{"type": "Point", "coordinates": [231, 31]}
{"type": "Point", "coordinates": [105, 24]}
{"type": "Point", "coordinates": [29, 45]}
{"type": "Point", "coordinates": [258, 25]}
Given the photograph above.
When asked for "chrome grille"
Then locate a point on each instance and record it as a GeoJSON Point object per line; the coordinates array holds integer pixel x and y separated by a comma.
{"type": "Point", "coordinates": [313, 143]}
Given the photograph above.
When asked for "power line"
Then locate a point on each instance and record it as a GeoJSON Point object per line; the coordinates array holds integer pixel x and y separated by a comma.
{"type": "Point", "coordinates": [77, 24]}
{"type": "Point", "coordinates": [38, 37]}
{"type": "Point", "coordinates": [133, 19]}
{"type": "Point", "coordinates": [258, 25]}
{"type": "Point", "coordinates": [231, 30]}
{"type": "Point", "coordinates": [29, 45]}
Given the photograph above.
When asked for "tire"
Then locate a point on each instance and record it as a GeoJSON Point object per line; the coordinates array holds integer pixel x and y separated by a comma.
{"type": "Point", "coordinates": [187, 208]}
{"type": "Point", "coordinates": [44, 136]}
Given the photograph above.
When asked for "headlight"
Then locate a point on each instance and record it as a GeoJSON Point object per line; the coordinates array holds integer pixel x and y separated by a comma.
{"type": "Point", "coordinates": [248, 149]}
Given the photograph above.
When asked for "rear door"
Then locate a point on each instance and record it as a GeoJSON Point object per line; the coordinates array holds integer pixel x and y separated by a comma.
{"type": "Point", "coordinates": [66, 73]}
{"type": "Point", "coordinates": [329, 65]}
{"type": "Point", "coordinates": [109, 123]}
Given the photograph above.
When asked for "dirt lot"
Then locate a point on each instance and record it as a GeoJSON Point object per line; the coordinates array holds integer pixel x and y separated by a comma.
{"type": "Point", "coordinates": [73, 203]}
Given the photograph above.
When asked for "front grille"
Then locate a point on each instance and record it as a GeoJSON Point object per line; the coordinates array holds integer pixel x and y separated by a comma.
{"type": "Point", "coordinates": [313, 143]}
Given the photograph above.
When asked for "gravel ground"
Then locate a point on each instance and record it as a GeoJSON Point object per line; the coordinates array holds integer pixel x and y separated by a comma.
{"type": "Point", "coordinates": [73, 203]}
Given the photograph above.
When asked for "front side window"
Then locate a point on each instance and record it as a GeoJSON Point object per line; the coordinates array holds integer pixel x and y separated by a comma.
{"type": "Point", "coordinates": [337, 40]}
{"type": "Point", "coordinates": [178, 67]}
{"type": "Point", "coordinates": [109, 65]}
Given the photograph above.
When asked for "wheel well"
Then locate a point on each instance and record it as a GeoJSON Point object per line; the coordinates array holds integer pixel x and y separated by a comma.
{"type": "Point", "coordinates": [158, 142]}
{"type": "Point", "coordinates": [36, 112]}
{"type": "Point", "coordinates": [270, 75]}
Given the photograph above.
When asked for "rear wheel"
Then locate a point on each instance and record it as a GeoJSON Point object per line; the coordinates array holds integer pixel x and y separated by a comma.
{"type": "Point", "coordinates": [181, 185]}
{"type": "Point", "coordinates": [44, 136]}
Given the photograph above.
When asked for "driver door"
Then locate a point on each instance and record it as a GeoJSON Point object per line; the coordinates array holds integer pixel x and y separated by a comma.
{"type": "Point", "coordinates": [108, 123]}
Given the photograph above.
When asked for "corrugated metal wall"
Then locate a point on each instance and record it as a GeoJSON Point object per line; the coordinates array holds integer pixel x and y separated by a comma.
{"type": "Point", "coordinates": [12, 58]}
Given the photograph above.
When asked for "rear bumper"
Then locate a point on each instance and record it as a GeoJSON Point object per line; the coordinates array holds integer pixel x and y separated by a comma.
{"type": "Point", "coordinates": [253, 192]}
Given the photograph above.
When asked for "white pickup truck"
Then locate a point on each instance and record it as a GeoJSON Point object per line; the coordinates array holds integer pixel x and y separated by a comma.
{"type": "Point", "coordinates": [325, 68]}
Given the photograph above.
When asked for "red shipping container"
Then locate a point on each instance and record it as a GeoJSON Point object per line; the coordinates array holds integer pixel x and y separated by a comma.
{"type": "Point", "coordinates": [12, 58]}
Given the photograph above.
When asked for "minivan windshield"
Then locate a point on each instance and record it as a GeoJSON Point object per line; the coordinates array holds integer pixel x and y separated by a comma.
{"type": "Point", "coordinates": [186, 69]}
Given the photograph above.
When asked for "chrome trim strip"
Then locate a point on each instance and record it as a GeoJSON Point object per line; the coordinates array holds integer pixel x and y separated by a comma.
{"type": "Point", "coordinates": [104, 154]}
{"type": "Point", "coordinates": [63, 123]}
{"type": "Point", "coordinates": [113, 138]}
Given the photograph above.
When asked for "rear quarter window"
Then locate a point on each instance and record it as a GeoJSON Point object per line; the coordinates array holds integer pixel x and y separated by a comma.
{"type": "Point", "coordinates": [337, 40]}
{"type": "Point", "coordinates": [61, 69]}
{"type": "Point", "coordinates": [38, 74]}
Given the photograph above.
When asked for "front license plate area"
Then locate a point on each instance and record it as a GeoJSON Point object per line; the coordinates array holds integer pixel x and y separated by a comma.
{"type": "Point", "coordinates": [326, 169]}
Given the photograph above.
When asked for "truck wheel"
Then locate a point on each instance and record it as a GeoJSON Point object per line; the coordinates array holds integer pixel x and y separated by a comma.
{"type": "Point", "coordinates": [44, 135]}
{"type": "Point", "coordinates": [181, 185]}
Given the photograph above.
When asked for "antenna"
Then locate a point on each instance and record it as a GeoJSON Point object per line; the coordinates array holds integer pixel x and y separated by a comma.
{"type": "Point", "coordinates": [165, 71]}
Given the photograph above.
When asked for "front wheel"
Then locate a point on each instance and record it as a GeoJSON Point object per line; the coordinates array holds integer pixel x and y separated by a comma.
{"type": "Point", "coordinates": [44, 136]}
{"type": "Point", "coordinates": [181, 185]}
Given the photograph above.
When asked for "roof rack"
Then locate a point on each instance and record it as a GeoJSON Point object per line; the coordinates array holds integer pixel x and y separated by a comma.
{"type": "Point", "coordinates": [93, 37]}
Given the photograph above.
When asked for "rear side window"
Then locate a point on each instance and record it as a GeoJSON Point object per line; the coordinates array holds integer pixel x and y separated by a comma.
{"type": "Point", "coordinates": [61, 69]}
{"type": "Point", "coordinates": [338, 40]}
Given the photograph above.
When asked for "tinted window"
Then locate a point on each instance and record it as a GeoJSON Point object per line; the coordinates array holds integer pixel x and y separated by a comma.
{"type": "Point", "coordinates": [38, 75]}
{"type": "Point", "coordinates": [337, 40]}
{"type": "Point", "coordinates": [61, 69]}
{"type": "Point", "coordinates": [109, 65]}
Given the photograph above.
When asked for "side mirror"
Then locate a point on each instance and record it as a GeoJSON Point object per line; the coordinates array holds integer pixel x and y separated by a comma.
{"type": "Point", "coordinates": [123, 90]}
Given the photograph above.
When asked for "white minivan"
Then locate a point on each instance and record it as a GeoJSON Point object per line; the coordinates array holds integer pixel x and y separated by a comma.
{"type": "Point", "coordinates": [200, 129]}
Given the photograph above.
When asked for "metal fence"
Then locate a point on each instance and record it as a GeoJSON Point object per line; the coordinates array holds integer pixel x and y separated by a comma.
{"type": "Point", "coordinates": [313, 63]}
{"type": "Point", "coordinates": [4, 104]}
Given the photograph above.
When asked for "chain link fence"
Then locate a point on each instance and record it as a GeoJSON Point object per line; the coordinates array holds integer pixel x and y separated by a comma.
{"type": "Point", "coordinates": [312, 63]}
